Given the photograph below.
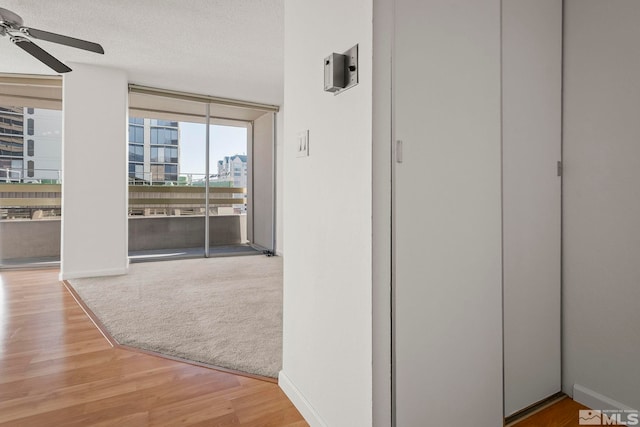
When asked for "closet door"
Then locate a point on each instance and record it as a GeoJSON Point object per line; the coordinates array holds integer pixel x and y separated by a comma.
{"type": "Point", "coordinates": [531, 110]}
{"type": "Point", "coordinates": [447, 214]}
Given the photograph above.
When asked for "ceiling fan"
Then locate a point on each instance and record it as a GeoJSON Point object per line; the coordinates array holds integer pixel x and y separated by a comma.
{"type": "Point", "coordinates": [11, 23]}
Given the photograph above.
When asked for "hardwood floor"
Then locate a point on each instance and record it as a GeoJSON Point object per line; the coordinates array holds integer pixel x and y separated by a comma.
{"type": "Point", "coordinates": [57, 369]}
{"type": "Point", "coordinates": [561, 414]}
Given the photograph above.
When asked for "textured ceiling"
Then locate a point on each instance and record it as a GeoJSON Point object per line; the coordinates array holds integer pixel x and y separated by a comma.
{"type": "Point", "coordinates": [225, 48]}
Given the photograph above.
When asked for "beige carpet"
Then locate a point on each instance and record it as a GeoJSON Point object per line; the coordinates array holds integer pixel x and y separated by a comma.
{"type": "Point", "coordinates": [225, 312]}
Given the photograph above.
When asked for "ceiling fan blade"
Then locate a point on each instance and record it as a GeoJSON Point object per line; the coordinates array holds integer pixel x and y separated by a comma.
{"type": "Point", "coordinates": [60, 39]}
{"type": "Point", "coordinates": [41, 55]}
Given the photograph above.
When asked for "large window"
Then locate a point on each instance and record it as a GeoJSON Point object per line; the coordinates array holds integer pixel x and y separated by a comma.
{"type": "Point", "coordinates": [30, 186]}
{"type": "Point", "coordinates": [170, 212]}
{"type": "Point", "coordinates": [167, 186]}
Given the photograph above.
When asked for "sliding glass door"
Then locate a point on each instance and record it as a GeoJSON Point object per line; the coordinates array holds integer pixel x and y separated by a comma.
{"type": "Point", "coordinates": [166, 188]}
{"type": "Point", "coordinates": [228, 167]}
{"type": "Point", "coordinates": [184, 202]}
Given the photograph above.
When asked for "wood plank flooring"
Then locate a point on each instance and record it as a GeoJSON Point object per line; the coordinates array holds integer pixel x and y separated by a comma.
{"type": "Point", "coordinates": [561, 414]}
{"type": "Point", "coordinates": [56, 369]}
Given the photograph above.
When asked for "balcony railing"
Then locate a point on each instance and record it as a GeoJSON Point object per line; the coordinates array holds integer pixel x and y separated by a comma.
{"type": "Point", "coordinates": [10, 175]}
{"type": "Point", "coordinates": [35, 201]}
{"type": "Point", "coordinates": [29, 201]}
{"type": "Point", "coordinates": [185, 200]}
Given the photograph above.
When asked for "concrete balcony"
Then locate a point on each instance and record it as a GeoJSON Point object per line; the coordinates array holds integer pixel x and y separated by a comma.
{"type": "Point", "coordinates": [160, 217]}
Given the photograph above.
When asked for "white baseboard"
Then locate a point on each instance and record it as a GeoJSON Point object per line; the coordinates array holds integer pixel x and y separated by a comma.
{"type": "Point", "coordinates": [299, 401]}
{"type": "Point", "coordinates": [594, 400]}
{"type": "Point", "coordinates": [65, 275]}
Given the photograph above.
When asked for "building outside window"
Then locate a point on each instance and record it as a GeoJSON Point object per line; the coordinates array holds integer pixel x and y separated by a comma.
{"type": "Point", "coordinates": [171, 173]}
{"type": "Point", "coordinates": [164, 136]}
{"type": "Point", "coordinates": [234, 170]}
{"type": "Point", "coordinates": [136, 171]}
{"type": "Point", "coordinates": [164, 123]}
{"type": "Point", "coordinates": [136, 153]}
{"type": "Point", "coordinates": [43, 149]}
{"type": "Point", "coordinates": [157, 173]}
{"type": "Point", "coordinates": [153, 150]}
{"type": "Point", "coordinates": [11, 143]}
{"type": "Point", "coordinates": [136, 134]}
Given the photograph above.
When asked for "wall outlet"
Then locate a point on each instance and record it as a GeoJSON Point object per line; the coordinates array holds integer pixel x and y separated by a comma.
{"type": "Point", "coordinates": [303, 144]}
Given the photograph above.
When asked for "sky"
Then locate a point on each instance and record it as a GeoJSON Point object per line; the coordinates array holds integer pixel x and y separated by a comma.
{"type": "Point", "coordinates": [225, 141]}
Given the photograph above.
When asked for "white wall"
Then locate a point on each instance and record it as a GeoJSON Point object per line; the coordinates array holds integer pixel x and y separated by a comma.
{"type": "Point", "coordinates": [94, 183]}
{"type": "Point", "coordinates": [602, 199]}
{"type": "Point", "coordinates": [263, 181]}
{"type": "Point", "coordinates": [327, 354]}
{"type": "Point", "coordinates": [531, 141]}
{"type": "Point", "coordinates": [447, 214]}
{"type": "Point", "coordinates": [279, 180]}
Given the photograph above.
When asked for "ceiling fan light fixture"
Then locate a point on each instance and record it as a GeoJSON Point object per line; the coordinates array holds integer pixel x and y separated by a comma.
{"type": "Point", "coordinates": [12, 23]}
{"type": "Point", "coordinates": [11, 19]}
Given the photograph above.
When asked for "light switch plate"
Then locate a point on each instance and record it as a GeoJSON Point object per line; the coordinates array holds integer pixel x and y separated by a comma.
{"type": "Point", "coordinates": [303, 144]}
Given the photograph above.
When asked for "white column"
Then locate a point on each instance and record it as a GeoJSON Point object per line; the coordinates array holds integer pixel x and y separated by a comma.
{"type": "Point", "coordinates": [94, 177]}
{"type": "Point", "coordinates": [327, 208]}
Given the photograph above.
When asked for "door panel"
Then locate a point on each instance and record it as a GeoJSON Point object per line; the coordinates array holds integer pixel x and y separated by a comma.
{"type": "Point", "coordinates": [446, 215]}
{"type": "Point", "coordinates": [532, 88]}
